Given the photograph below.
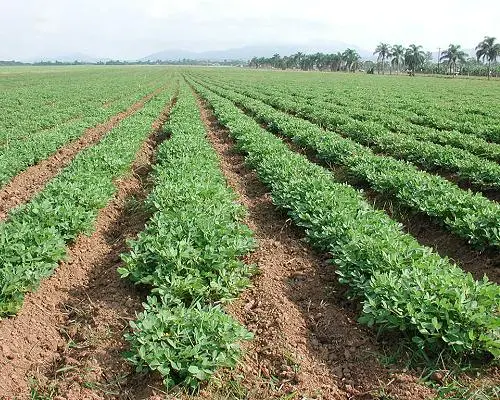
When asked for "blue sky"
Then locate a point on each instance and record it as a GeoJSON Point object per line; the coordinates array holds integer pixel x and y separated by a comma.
{"type": "Point", "coordinates": [129, 29]}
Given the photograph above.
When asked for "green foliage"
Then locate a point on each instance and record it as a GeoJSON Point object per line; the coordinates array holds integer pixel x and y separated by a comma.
{"type": "Point", "coordinates": [34, 238]}
{"type": "Point", "coordinates": [428, 155]}
{"type": "Point", "coordinates": [403, 108]}
{"type": "Point", "coordinates": [41, 112]}
{"type": "Point", "coordinates": [402, 285]}
{"type": "Point", "coordinates": [184, 344]}
{"type": "Point", "coordinates": [190, 255]}
{"type": "Point", "coordinates": [468, 215]}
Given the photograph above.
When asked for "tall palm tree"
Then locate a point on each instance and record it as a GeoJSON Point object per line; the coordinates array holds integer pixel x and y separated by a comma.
{"type": "Point", "coordinates": [276, 60]}
{"type": "Point", "coordinates": [338, 59]}
{"type": "Point", "coordinates": [297, 58]}
{"type": "Point", "coordinates": [414, 57]}
{"type": "Point", "coordinates": [397, 53]}
{"type": "Point", "coordinates": [489, 50]}
{"type": "Point", "coordinates": [383, 50]}
{"type": "Point", "coordinates": [453, 54]}
{"type": "Point", "coordinates": [351, 58]}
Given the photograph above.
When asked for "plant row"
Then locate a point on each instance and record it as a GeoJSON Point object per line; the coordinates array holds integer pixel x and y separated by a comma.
{"type": "Point", "coordinates": [427, 103]}
{"type": "Point", "coordinates": [36, 102]}
{"type": "Point", "coordinates": [34, 238]}
{"type": "Point", "coordinates": [469, 215]}
{"type": "Point", "coordinates": [20, 154]}
{"type": "Point", "coordinates": [428, 155]}
{"type": "Point", "coordinates": [455, 125]}
{"type": "Point", "coordinates": [189, 254]}
{"type": "Point", "coordinates": [396, 120]}
{"type": "Point", "coordinates": [402, 285]}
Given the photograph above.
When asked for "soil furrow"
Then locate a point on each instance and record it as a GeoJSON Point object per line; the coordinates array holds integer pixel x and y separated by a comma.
{"type": "Point", "coordinates": [67, 340]}
{"type": "Point", "coordinates": [306, 338]}
{"type": "Point", "coordinates": [26, 184]}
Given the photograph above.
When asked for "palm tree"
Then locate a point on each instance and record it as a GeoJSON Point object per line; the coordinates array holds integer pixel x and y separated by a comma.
{"type": "Point", "coordinates": [397, 53]}
{"type": "Point", "coordinates": [453, 54]}
{"type": "Point", "coordinates": [414, 57]}
{"type": "Point", "coordinates": [383, 50]}
{"type": "Point", "coordinates": [297, 58]}
{"type": "Point", "coordinates": [488, 49]}
{"type": "Point", "coordinates": [276, 60]}
{"type": "Point", "coordinates": [338, 60]}
{"type": "Point", "coordinates": [351, 58]}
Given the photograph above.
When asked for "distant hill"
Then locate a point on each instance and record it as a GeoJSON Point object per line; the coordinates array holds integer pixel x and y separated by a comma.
{"type": "Point", "coordinates": [69, 57]}
{"type": "Point", "coordinates": [243, 53]}
{"type": "Point", "coordinates": [247, 52]}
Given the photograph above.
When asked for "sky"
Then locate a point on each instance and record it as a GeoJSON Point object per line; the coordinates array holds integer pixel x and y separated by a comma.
{"type": "Point", "coordinates": [131, 29]}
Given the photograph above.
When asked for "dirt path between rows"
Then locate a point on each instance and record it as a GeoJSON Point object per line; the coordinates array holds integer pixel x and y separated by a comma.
{"type": "Point", "coordinates": [67, 340]}
{"type": "Point", "coordinates": [33, 179]}
{"type": "Point", "coordinates": [307, 341]}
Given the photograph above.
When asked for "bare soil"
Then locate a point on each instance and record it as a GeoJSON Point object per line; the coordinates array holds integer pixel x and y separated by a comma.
{"type": "Point", "coordinates": [307, 341]}
{"type": "Point", "coordinates": [67, 340]}
{"type": "Point", "coordinates": [33, 179]}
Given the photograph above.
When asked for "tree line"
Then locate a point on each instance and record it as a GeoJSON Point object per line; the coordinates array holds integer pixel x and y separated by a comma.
{"type": "Point", "coordinates": [395, 58]}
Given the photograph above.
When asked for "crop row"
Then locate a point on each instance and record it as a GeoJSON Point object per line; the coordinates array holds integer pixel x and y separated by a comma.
{"type": "Point", "coordinates": [467, 214]}
{"type": "Point", "coordinates": [33, 240]}
{"type": "Point", "coordinates": [443, 105]}
{"type": "Point", "coordinates": [413, 116]}
{"type": "Point", "coordinates": [428, 155]}
{"type": "Point", "coordinates": [396, 120]}
{"type": "Point", "coordinates": [189, 254]}
{"type": "Point", "coordinates": [20, 154]}
{"type": "Point", "coordinates": [402, 285]}
{"type": "Point", "coordinates": [37, 102]}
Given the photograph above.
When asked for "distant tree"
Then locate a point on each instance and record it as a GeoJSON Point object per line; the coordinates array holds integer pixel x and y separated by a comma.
{"type": "Point", "coordinates": [337, 61]}
{"type": "Point", "coordinates": [321, 61]}
{"type": "Point", "coordinates": [453, 54]}
{"type": "Point", "coordinates": [414, 58]}
{"type": "Point", "coordinates": [383, 50]}
{"type": "Point", "coordinates": [351, 59]}
{"type": "Point", "coordinates": [489, 50]}
{"type": "Point", "coordinates": [368, 66]}
{"type": "Point", "coordinates": [276, 61]}
{"type": "Point", "coordinates": [397, 53]}
{"type": "Point", "coordinates": [298, 59]}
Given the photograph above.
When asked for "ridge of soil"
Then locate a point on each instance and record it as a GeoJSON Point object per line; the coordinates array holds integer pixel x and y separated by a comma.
{"type": "Point", "coordinates": [67, 340]}
{"type": "Point", "coordinates": [307, 341]}
{"type": "Point", "coordinates": [33, 179]}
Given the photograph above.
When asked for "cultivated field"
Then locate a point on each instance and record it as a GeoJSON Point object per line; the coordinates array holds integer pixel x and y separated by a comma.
{"type": "Point", "coordinates": [236, 234]}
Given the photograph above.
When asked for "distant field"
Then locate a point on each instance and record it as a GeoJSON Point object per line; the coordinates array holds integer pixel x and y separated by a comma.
{"type": "Point", "coordinates": [343, 230]}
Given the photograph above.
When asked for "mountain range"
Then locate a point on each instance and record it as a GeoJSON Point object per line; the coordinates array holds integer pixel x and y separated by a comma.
{"type": "Point", "coordinates": [237, 53]}
{"type": "Point", "coordinates": [247, 52]}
